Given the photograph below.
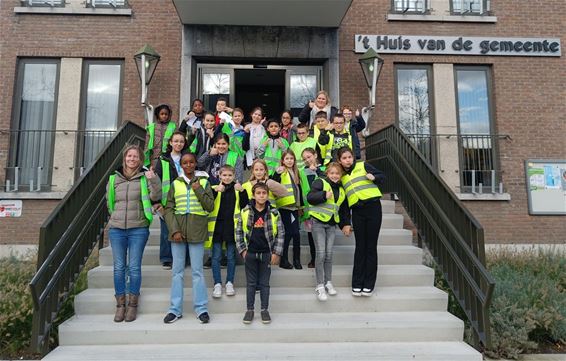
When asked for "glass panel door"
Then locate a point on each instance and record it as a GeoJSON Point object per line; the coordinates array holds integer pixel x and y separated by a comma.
{"type": "Point", "coordinates": [214, 83]}
{"type": "Point", "coordinates": [303, 82]}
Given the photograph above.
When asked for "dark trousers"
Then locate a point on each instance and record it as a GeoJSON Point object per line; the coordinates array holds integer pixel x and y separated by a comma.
{"type": "Point", "coordinates": [311, 246]}
{"type": "Point", "coordinates": [366, 220]}
{"type": "Point", "coordinates": [258, 272]}
{"type": "Point", "coordinates": [291, 225]}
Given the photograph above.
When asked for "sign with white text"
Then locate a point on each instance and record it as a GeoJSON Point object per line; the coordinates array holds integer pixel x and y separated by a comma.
{"type": "Point", "coordinates": [458, 45]}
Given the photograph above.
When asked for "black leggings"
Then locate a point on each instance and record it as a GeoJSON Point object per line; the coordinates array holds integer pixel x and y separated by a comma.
{"type": "Point", "coordinates": [366, 220]}
{"type": "Point", "coordinates": [291, 225]}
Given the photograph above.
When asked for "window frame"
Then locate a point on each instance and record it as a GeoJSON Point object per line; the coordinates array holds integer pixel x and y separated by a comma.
{"type": "Point", "coordinates": [17, 110]}
{"type": "Point", "coordinates": [488, 71]}
{"type": "Point", "coordinates": [80, 143]}
{"type": "Point", "coordinates": [484, 10]}
{"type": "Point", "coordinates": [89, 4]}
{"type": "Point", "coordinates": [42, 4]}
{"type": "Point", "coordinates": [426, 8]}
{"type": "Point", "coordinates": [431, 110]}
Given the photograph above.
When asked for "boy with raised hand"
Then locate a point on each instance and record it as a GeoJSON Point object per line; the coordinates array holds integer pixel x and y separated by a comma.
{"type": "Point", "coordinates": [335, 138]}
{"type": "Point", "coordinates": [302, 142]}
{"type": "Point", "coordinates": [259, 239]}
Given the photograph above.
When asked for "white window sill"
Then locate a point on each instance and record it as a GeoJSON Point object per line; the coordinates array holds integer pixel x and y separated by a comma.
{"type": "Point", "coordinates": [443, 18]}
{"type": "Point", "coordinates": [72, 11]}
{"type": "Point", "coordinates": [484, 196]}
{"type": "Point", "coordinates": [33, 195]}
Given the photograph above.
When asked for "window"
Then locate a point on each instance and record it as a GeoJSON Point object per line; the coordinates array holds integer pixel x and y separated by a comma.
{"type": "Point", "coordinates": [469, 7]}
{"type": "Point", "coordinates": [101, 107]}
{"type": "Point", "coordinates": [413, 88]}
{"type": "Point", "coordinates": [477, 142]}
{"type": "Point", "coordinates": [409, 6]}
{"type": "Point", "coordinates": [51, 3]}
{"type": "Point", "coordinates": [35, 103]}
{"type": "Point", "coordinates": [107, 3]}
{"type": "Point", "coordinates": [216, 84]}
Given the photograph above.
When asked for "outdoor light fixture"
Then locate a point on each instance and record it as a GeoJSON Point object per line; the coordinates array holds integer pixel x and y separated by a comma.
{"type": "Point", "coordinates": [146, 62]}
{"type": "Point", "coordinates": [371, 64]}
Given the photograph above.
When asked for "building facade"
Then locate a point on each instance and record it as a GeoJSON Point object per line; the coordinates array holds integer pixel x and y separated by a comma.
{"type": "Point", "coordinates": [478, 86]}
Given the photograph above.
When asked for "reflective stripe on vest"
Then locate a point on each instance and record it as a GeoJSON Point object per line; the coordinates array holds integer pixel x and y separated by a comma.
{"type": "Point", "coordinates": [212, 216]}
{"type": "Point", "coordinates": [271, 158]}
{"type": "Point", "coordinates": [171, 126]}
{"type": "Point", "coordinates": [325, 211]}
{"type": "Point", "coordinates": [357, 186]}
{"type": "Point", "coordinates": [165, 181]}
{"type": "Point", "coordinates": [289, 197]}
{"type": "Point", "coordinates": [247, 233]}
{"type": "Point", "coordinates": [146, 202]}
{"type": "Point", "coordinates": [184, 193]}
{"type": "Point", "coordinates": [330, 147]}
{"type": "Point", "coordinates": [298, 147]}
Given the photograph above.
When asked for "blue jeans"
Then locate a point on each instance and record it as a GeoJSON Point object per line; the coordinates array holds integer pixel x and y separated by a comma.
{"type": "Point", "coordinates": [164, 244]}
{"type": "Point", "coordinates": [128, 243]}
{"type": "Point", "coordinates": [217, 256]}
{"type": "Point", "coordinates": [200, 294]}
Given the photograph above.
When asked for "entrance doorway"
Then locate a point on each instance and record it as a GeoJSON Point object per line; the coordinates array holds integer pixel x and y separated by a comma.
{"type": "Point", "coordinates": [272, 87]}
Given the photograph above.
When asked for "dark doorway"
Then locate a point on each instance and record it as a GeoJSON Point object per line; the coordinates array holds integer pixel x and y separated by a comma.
{"type": "Point", "coordinates": [260, 87]}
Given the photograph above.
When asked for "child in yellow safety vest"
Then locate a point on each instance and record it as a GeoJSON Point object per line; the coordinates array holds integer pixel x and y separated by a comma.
{"type": "Point", "coordinates": [158, 134]}
{"type": "Point", "coordinates": [360, 181]}
{"type": "Point", "coordinates": [302, 142]}
{"type": "Point", "coordinates": [259, 175]}
{"type": "Point", "coordinates": [328, 209]}
{"type": "Point", "coordinates": [272, 146]}
{"type": "Point", "coordinates": [221, 228]}
{"type": "Point", "coordinates": [288, 175]}
{"type": "Point", "coordinates": [336, 137]}
{"type": "Point", "coordinates": [235, 132]}
{"type": "Point", "coordinates": [189, 201]}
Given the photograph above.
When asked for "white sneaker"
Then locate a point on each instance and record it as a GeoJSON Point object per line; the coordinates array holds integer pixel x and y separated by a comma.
{"type": "Point", "coordinates": [356, 292]}
{"type": "Point", "coordinates": [366, 292]}
{"type": "Point", "coordinates": [321, 293]}
{"type": "Point", "coordinates": [230, 289]}
{"type": "Point", "coordinates": [330, 289]}
{"type": "Point", "coordinates": [217, 291]}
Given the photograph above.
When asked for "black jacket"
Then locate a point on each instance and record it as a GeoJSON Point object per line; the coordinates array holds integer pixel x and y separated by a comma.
{"type": "Point", "coordinates": [318, 196]}
{"type": "Point", "coordinates": [305, 114]}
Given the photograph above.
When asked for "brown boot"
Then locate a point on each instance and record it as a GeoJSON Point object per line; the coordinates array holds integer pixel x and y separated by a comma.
{"type": "Point", "coordinates": [132, 310]}
{"type": "Point", "coordinates": [120, 308]}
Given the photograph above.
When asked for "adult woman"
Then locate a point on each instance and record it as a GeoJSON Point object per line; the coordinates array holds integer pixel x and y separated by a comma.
{"type": "Point", "coordinates": [129, 194]}
{"type": "Point", "coordinates": [321, 103]}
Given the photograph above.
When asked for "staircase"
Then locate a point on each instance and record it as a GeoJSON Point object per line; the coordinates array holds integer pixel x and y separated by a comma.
{"type": "Point", "coordinates": [406, 319]}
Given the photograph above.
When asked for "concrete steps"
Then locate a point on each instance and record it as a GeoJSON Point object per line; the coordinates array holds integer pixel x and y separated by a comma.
{"type": "Point", "coordinates": [283, 299]}
{"type": "Point", "coordinates": [390, 275]}
{"type": "Point", "coordinates": [343, 255]}
{"type": "Point", "coordinates": [228, 328]}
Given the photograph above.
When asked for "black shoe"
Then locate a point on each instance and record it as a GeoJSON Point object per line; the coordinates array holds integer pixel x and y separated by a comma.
{"type": "Point", "coordinates": [248, 317]}
{"type": "Point", "coordinates": [286, 265]}
{"type": "Point", "coordinates": [311, 264]}
{"type": "Point", "coordinates": [208, 263]}
{"type": "Point", "coordinates": [171, 317]}
{"type": "Point", "coordinates": [265, 317]}
{"type": "Point", "coordinates": [204, 317]}
{"type": "Point", "coordinates": [166, 265]}
{"type": "Point", "coordinates": [224, 262]}
{"type": "Point", "coordinates": [297, 265]}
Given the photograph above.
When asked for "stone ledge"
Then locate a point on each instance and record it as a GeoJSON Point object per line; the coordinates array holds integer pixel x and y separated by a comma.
{"type": "Point", "coordinates": [32, 195]}
{"type": "Point", "coordinates": [443, 18]}
{"type": "Point", "coordinates": [19, 251]}
{"type": "Point", "coordinates": [71, 11]}
{"type": "Point", "coordinates": [484, 196]}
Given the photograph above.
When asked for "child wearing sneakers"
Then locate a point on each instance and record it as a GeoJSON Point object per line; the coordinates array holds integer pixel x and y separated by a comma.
{"type": "Point", "coordinates": [259, 239]}
{"type": "Point", "coordinates": [227, 201]}
{"type": "Point", "coordinates": [328, 209]}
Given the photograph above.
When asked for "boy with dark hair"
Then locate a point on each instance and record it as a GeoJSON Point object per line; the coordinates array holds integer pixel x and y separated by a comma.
{"type": "Point", "coordinates": [337, 137]}
{"type": "Point", "coordinates": [272, 146]}
{"type": "Point", "coordinates": [259, 239]}
{"type": "Point", "coordinates": [221, 106]}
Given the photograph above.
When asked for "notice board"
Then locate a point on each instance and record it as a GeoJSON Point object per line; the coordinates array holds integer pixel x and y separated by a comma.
{"type": "Point", "coordinates": [546, 186]}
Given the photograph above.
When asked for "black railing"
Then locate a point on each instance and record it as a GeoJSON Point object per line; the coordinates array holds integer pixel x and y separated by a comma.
{"type": "Point", "coordinates": [70, 233]}
{"type": "Point", "coordinates": [452, 234]}
{"type": "Point", "coordinates": [32, 167]}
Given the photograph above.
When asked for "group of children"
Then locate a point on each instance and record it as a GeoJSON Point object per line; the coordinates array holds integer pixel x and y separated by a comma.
{"type": "Point", "coordinates": [305, 173]}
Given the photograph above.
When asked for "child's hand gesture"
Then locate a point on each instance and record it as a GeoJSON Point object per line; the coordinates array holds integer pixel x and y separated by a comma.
{"type": "Point", "coordinates": [329, 194]}
{"type": "Point", "coordinates": [238, 187]}
{"type": "Point", "coordinates": [312, 167]}
{"type": "Point", "coordinates": [370, 176]}
{"type": "Point", "coordinates": [263, 120]}
{"type": "Point", "coordinates": [213, 150]}
{"type": "Point", "coordinates": [347, 230]}
{"type": "Point", "coordinates": [177, 237]}
{"type": "Point", "coordinates": [228, 109]}
{"type": "Point", "coordinates": [280, 169]}
{"type": "Point", "coordinates": [210, 133]}
{"type": "Point", "coordinates": [247, 128]}
{"type": "Point", "coordinates": [150, 174]}
{"type": "Point", "coordinates": [279, 142]}
{"type": "Point", "coordinates": [195, 185]}
{"type": "Point", "coordinates": [357, 112]}
{"type": "Point", "coordinates": [275, 259]}
{"type": "Point", "coordinates": [220, 188]}
{"type": "Point", "coordinates": [311, 104]}
{"type": "Point", "coordinates": [329, 126]}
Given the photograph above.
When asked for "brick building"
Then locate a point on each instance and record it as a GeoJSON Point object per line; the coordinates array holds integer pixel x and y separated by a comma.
{"type": "Point", "coordinates": [477, 116]}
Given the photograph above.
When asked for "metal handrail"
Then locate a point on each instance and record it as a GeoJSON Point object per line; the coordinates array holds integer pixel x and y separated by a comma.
{"type": "Point", "coordinates": [70, 233]}
{"type": "Point", "coordinates": [452, 234]}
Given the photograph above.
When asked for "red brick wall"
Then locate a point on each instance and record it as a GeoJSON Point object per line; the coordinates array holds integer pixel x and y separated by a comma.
{"type": "Point", "coordinates": [96, 37]}
{"type": "Point", "coordinates": [529, 95]}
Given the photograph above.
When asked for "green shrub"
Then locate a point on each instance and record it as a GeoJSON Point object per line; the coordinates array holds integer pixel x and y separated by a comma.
{"type": "Point", "coordinates": [16, 306]}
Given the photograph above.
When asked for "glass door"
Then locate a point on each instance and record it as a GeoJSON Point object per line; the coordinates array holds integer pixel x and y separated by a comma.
{"type": "Point", "coordinates": [303, 82]}
{"type": "Point", "coordinates": [215, 82]}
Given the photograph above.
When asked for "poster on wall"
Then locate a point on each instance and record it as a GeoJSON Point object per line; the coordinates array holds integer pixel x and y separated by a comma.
{"type": "Point", "coordinates": [10, 208]}
{"type": "Point", "coordinates": [546, 186]}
